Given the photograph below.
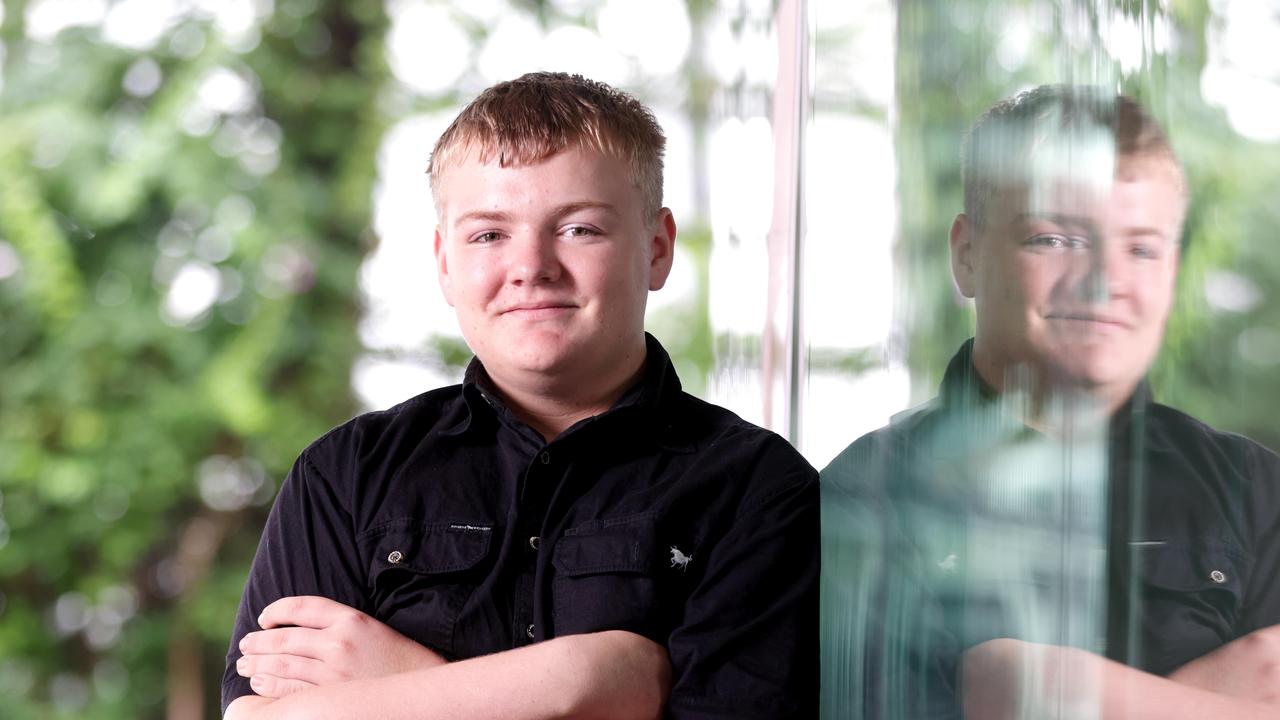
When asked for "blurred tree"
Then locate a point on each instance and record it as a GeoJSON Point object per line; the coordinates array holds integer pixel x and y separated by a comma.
{"type": "Point", "coordinates": [181, 223]}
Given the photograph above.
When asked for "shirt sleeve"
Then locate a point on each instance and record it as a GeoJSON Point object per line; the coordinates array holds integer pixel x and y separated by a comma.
{"type": "Point", "coordinates": [307, 548]}
{"type": "Point", "coordinates": [1262, 594]}
{"type": "Point", "coordinates": [886, 653]}
{"type": "Point", "coordinates": [748, 643]}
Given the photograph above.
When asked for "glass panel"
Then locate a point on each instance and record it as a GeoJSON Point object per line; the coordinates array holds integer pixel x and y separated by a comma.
{"type": "Point", "coordinates": [1041, 511]}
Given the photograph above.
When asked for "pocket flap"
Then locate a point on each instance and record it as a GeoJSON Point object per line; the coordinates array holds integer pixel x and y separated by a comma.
{"type": "Point", "coordinates": [631, 549]}
{"type": "Point", "coordinates": [427, 547]}
{"type": "Point", "coordinates": [1191, 569]}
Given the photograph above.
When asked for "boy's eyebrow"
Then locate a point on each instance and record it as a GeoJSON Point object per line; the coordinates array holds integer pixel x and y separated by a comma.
{"type": "Point", "coordinates": [561, 211]}
{"type": "Point", "coordinates": [1087, 224]}
{"type": "Point", "coordinates": [1064, 219]}
{"type": "Point", "coordinates": [1144, 231]}
{"type": "Point", "coordinates": [484, 215]}
{"type": "Point", "coordinates": [585, 205]}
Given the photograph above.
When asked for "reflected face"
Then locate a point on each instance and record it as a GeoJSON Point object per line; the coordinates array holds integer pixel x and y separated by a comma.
{"type": "Point", "coordinates": [1076, 281]}
{"type": "Point", "coordinates": [549, 265]}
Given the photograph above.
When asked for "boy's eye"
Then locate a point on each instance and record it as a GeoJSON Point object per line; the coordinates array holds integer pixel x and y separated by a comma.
{"type": "Point", "coordinates": [1143, 251]}
{"type": "Point", "coordinates": [1057, 241]}
{"type": "Point", "coordinates": [579, 231]}
{"type": "Point", "coordinates": [485, 237]}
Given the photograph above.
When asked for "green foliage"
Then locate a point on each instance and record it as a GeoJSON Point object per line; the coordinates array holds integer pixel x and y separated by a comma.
{"type": "Point", "coordinates": [138, 439]}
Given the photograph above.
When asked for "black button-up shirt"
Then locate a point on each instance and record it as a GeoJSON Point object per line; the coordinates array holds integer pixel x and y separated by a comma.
{"type": "Point", "coordinates": [957, 524]}
{"type": "Point", "coordinates": [453, 522]}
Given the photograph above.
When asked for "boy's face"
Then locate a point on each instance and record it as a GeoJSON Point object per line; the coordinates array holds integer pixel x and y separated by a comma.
{"type": "Point", "coordinates": [549, 265]}
{"type": "Point", "coordinates": [1076, 280]}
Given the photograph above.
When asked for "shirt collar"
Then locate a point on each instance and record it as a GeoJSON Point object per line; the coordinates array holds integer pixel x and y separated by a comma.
{"type": "Point", "coordinates": [962, 384]}
{"type": "Point", "coordinates": [658, 386]}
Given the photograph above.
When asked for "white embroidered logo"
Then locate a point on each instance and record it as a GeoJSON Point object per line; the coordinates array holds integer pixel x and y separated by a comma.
{"type": "Point", "coordinates": [679, 559]}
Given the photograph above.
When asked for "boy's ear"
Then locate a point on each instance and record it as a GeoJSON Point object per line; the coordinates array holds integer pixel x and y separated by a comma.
{"type": "Point", "coordinates": [442, 266]}
{"type": "Point", "coordinates": [963, 260]}
{"type": "Point", "coordinates": [662, 239]}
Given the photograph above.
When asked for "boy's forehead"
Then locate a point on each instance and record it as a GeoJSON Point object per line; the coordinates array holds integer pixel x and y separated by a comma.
{"type": "Point", "coordinates": [589, 175]}
{"type": "Point", "coordinates": [1051, 170]}
{"type": "Point", "coordinates": [476, 157]}
{"type": "Point", "coordinates": [1082, 187]}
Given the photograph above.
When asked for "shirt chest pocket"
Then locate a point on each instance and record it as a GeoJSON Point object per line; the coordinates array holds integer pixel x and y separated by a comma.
{"type": "Point", "coordinates": [615, 577]}
{"type": "Point", "coordinates": [1191, 601]}
{"type": "Point", "coordinates": [421, 574]}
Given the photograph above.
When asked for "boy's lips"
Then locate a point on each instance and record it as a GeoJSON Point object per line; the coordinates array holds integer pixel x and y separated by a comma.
{"type": "Point", "coordinates": [539, 309]}
{"type": "Point", "coordinates": [1100, 319]}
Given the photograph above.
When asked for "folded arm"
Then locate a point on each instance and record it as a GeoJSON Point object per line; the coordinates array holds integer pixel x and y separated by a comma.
{"type": "Point", "coordinates": [612, 674]}
{"type": "Point", "coordinates": [1009, 678]}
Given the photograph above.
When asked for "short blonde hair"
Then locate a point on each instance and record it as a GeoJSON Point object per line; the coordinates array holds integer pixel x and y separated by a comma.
{"type": "Point", "coordinates": [535, 116]}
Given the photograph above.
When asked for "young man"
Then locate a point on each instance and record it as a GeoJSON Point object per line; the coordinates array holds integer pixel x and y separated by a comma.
{"type": "Point", "coordinates": [1043, 539]}
{"type": "Point", "coordinates": [567, 533]}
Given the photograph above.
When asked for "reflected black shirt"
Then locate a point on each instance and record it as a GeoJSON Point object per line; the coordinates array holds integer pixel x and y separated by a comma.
{"type": "Point", "coordinates": [456, 524]}
{"type": "Point", "coordinates": [1187, 519]}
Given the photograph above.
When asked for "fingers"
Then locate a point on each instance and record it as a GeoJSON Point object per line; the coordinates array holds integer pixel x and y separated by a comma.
{"type": "Point", "coordinates": [285, 668]}
{"type": "Point", "coordinates": [274, 687]}
{"type": "Point", "coordinates": [303, 611]}
{"type": "Point", "coordinates": [299, 641]}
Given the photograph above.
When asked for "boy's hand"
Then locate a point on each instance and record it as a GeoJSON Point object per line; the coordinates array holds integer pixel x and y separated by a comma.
{"type": "Point", "coordinates": [308, 641]}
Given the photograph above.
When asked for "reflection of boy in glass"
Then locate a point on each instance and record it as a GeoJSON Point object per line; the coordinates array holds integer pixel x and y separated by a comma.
{"type": "Point", "coordinates": [1043, 538]}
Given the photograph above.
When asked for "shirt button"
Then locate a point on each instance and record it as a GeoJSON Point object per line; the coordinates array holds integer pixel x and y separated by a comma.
{"type": "Point", "coordinates": [528, 631]}
{"type": "Point", "coordinates": [546, 458]}
{"type": "Point", "coordinates": [395, 557]}
{"type": "Point", "coordinates": [1218, 576]}
{"type": "Point", "coordinates": [534, 542]}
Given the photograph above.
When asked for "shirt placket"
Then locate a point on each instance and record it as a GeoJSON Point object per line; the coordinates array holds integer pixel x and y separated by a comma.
{"type": "Point", "coordinates": [538, 483]}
